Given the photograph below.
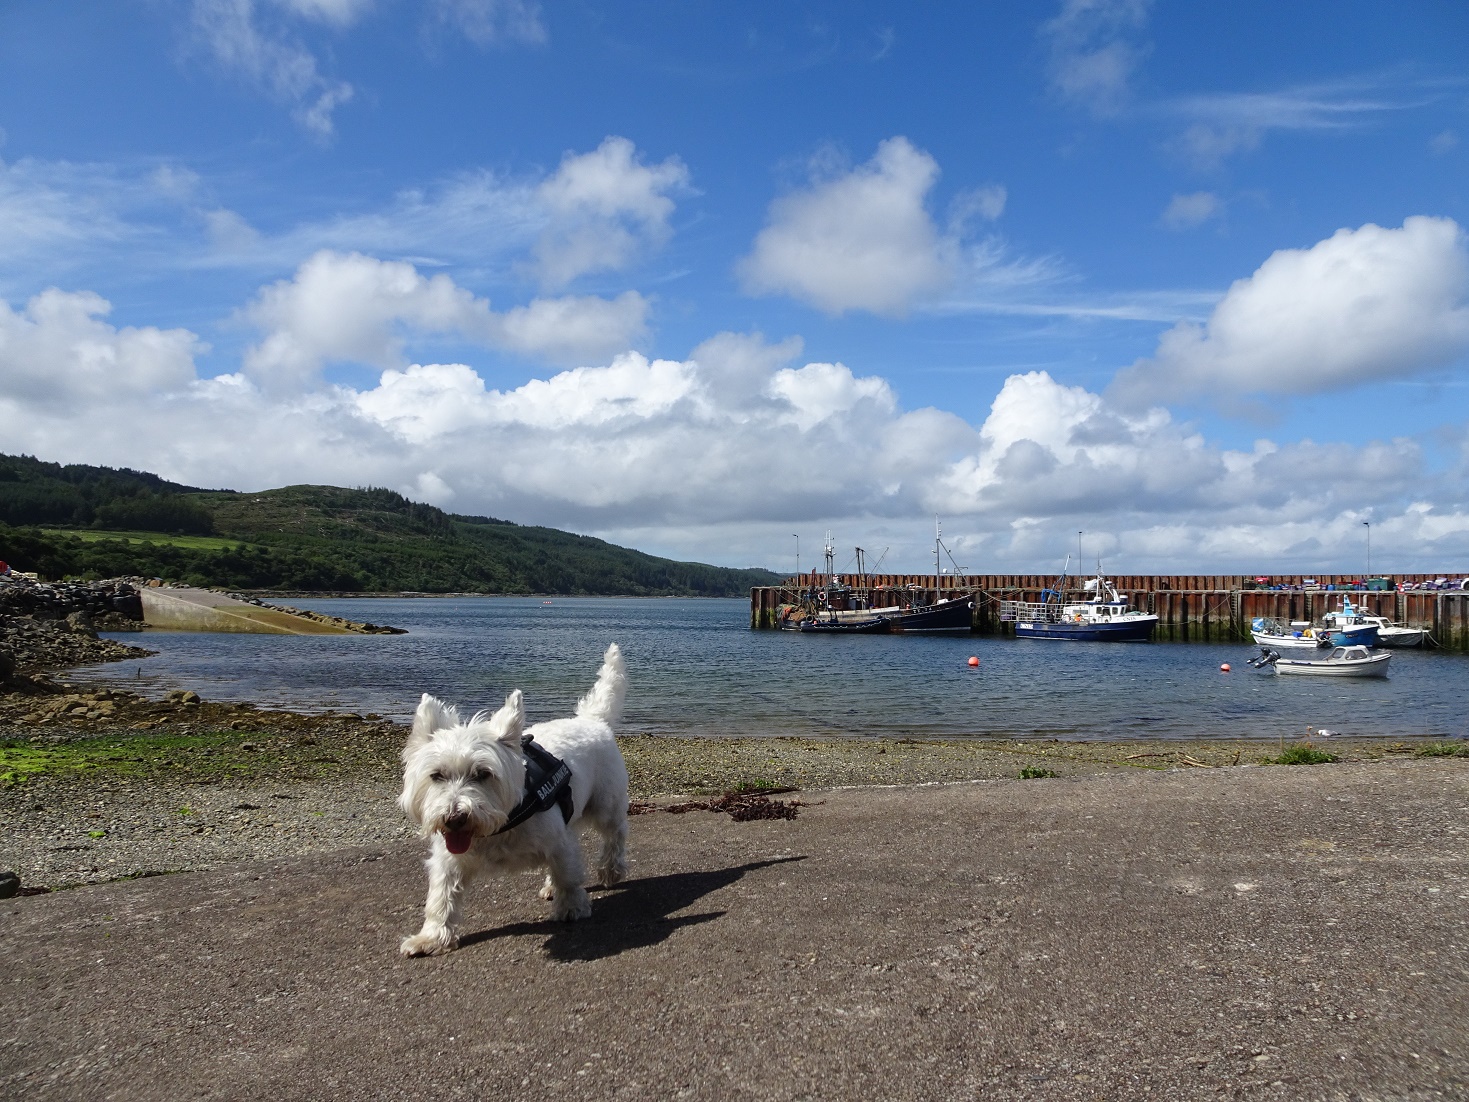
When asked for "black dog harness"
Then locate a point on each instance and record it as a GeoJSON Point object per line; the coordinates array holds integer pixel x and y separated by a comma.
{"type": "Point", "coordinates": [547, 782]}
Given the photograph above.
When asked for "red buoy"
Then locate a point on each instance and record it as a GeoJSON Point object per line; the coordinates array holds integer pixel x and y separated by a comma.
{"type": "Point", "coordinates": [1224, 667]}
{"type": "Point", "coordinates": [973, 661]}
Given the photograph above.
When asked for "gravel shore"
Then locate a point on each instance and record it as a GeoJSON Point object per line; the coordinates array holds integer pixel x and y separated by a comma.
{"type": "Point", "coordinates": [98, 786]}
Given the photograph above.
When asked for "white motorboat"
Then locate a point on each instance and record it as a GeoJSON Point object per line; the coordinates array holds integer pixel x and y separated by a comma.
{"type": "Point", "coordinates": [1390, 634]}
{"type": "Point", "coordinates": [1298, 636]}
{"type": "Point", "coordinates": [1355, 661]}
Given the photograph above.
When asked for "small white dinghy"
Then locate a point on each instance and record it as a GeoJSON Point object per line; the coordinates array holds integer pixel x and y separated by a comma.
{"type": "Point", "coordinates": [1342, 662]}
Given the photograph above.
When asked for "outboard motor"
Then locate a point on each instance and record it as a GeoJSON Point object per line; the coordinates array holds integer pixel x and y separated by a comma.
{"type": "Point", "coordinates": [1267, 657]}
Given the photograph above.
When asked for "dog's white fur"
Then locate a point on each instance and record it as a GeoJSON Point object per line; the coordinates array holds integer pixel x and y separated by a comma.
{"type": "Point", "coordinates": [463, 779]}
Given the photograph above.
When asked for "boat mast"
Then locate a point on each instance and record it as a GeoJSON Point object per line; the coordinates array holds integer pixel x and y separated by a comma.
{"type": "Point", "coordinates": [938, 573]}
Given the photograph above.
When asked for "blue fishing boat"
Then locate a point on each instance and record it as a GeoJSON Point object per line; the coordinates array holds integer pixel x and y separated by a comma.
{"type": "Point", "coordinates": [1349, 627]}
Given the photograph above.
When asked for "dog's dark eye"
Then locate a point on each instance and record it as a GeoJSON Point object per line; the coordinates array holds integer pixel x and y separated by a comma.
{"type": "Point", "coordinates": [481, 775]}
{"type": "Point", "coordinates": [436, 777]}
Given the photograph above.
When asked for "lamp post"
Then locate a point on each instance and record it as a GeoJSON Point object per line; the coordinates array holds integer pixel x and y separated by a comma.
{"type": "Point", "coordinates": [798, 558]}
{"type": "Point", "coordinates": [1368, 523]}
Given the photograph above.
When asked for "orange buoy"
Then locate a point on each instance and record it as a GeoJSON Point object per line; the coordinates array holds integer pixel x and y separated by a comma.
{"type": "Point", "coordinates": [1224, 666]}
{"type": "Point", "coordinates": [973, 661]}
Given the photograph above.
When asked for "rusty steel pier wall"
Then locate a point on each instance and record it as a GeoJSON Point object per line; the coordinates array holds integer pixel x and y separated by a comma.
{"type": "Point", "coordinates": [1190, 607]}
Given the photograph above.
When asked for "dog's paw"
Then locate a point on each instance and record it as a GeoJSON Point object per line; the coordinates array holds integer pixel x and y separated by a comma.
{"type": "Point", "coordinates": [428, 943]}
{"type": "Point", "coordinates": [611, 874]}
{"type": "Point", "coordinates": [572, 906]}
{"type": "Point", "coordinates": [548, 890]}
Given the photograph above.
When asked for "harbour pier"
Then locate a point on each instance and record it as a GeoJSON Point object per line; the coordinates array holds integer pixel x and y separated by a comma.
{"type": "Point", "coordinates": [1190, 607]}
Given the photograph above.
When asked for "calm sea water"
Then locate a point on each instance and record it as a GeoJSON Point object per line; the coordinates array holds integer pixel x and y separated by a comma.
{"type": "Point", "coordinates": [697, 669]}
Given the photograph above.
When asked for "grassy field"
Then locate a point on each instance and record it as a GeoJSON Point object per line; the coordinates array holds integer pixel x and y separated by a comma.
{"type": "Point", "coordinates": [198, 543]}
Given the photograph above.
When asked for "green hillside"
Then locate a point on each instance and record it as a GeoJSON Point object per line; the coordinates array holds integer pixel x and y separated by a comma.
{"type": "Point", "coordinates": [82, 521]}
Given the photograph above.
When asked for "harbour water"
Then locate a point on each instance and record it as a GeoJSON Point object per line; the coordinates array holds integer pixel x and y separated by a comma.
{"type": "Point", "coordinates": [697, 670]}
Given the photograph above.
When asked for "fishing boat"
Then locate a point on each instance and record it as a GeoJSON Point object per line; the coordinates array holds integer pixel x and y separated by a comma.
{"type": "Point", "coordinates": [827, 624]}
{"type": "Point", "coordinates": [1354, 661]}
{"type": "Point", "coordinates": [835, 608]}
{"type": "Point", "coordinates": [1104, 616]}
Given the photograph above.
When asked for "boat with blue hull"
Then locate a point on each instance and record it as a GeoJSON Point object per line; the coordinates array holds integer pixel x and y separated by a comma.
{"type": "Point", "coordinates": [1102, 617]}
{"type": "Point", "coordinates": [1349, 627]}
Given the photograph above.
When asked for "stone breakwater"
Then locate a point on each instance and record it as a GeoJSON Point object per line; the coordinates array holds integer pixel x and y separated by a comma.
{"type": "Point", "coordinates": [53, 625]}
{"type": "Point", "coordinates": [112, 605]}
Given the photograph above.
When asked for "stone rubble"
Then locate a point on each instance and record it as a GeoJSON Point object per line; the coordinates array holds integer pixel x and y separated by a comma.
{"type": "Point", "coordinates": [111, 605]}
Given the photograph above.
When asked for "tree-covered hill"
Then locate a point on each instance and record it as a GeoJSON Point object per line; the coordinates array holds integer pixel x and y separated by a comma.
{"type": "Point", "coordinates": [95, 521]}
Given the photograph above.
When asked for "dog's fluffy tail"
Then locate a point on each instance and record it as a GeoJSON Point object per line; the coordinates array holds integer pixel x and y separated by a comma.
{"type": "Point", "coordinates": [604, 701]}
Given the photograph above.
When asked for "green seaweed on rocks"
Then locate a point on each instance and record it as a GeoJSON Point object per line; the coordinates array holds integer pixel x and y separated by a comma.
{"type": "Point", "coordinates": [1456, 748]}
{"type": "Point", "coordinates": [1302, 754]}
{"type": "Point", "coordinates": [1035, 773]}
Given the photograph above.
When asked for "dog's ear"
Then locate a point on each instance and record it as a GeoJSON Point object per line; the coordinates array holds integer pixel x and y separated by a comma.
{"type": "Point", "coordinates": [432, 715]}
{"type": "Point", "coordinates": [509, 721]}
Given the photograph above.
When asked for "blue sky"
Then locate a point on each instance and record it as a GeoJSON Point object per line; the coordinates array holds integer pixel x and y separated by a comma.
{"type": "Point", "coordinates": [1191, 278]}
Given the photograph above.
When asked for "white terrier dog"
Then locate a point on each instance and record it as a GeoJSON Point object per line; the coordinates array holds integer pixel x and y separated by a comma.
{"type": "Point", "coordinates": [462, 782]}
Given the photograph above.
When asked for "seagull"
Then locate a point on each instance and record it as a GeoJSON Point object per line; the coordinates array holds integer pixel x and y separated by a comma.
{"type": "Point", "coordinates": [1322, 732]}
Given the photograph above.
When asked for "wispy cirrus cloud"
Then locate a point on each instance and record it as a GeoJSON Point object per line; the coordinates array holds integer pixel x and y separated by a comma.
{"type": "Point", "coordinates": [261, 50]}
{"type": "Point", "coordinates": [492, 22]}
{"type": "Point", "coordinates": [1095, 48]}
{"type": "Point", "coordinates": [1221, 125]}
{"type": "Point", "coordinates": [1187, 211]}
{"type": "Point", "coordinates": [261, 43]}
{"type": "Point", "coordinates": [602, 211]}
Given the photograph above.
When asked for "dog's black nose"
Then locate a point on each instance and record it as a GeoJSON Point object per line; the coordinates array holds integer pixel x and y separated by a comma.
{"type": "Point", "coordinates": [457, 821]}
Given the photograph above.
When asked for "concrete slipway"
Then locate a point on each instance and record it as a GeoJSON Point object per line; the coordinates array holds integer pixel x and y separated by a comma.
{"type": "Point", "coordinates": [187, 609]}
{"type": "Point", "coordinates": [1259, 933]}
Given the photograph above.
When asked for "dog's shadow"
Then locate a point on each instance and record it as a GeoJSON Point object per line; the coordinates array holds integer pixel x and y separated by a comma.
{"type": "Point", "coordinates": [634, 915]}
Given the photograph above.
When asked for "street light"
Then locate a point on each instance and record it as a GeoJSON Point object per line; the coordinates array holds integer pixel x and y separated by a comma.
{"type": "Point", "coordinates": [1368, 523]}
{"type": "Point", "coordinates": [798, 556]}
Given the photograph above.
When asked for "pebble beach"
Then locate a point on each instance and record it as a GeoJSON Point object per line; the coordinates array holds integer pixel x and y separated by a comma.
{"type": "Point", "coordinates": [99, 786]}
{"type": "Point", "coordinates": [106, 784]}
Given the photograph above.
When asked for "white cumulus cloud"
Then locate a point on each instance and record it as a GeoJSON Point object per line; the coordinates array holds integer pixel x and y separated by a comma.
{"type": "Point", "coordinates": [59, 349]}
{"type": "Point", "coordinates": [863, 240]}
{"type": "Point", "coordinates": [347, 307]}
{"type": "Point", "coordinates": [1362, 306]}
{"type": "Point", "coordinates": [719, 456]}
{"type": "Point", "coordinates": [603, 209]}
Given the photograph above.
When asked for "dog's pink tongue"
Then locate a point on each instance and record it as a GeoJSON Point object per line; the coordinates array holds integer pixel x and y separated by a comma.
{"type": "Point", "coordinates": [458, 840]}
